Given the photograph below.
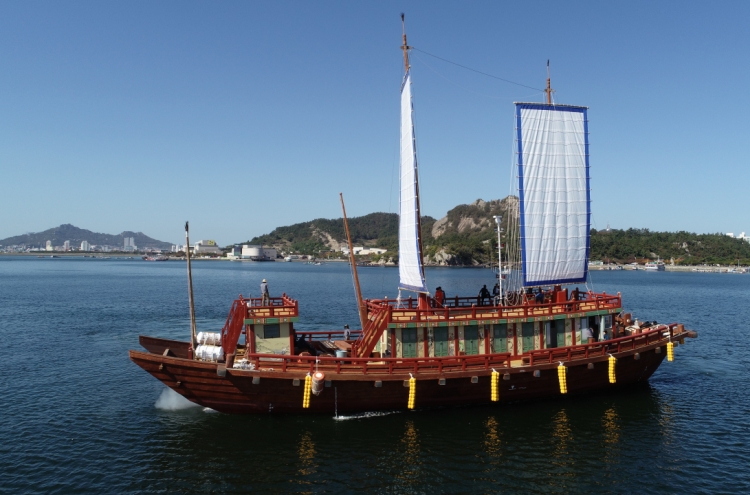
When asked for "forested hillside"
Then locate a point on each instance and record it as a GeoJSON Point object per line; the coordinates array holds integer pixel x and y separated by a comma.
{"type": "Point", "coordinates": [627, 246]}
{"type": "Point", "coordinates": [467, 236]}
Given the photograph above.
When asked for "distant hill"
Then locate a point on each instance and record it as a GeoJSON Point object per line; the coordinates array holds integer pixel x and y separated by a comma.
{"type": "Point", "coordinates": [68, 232]}
{"type": "Point", "coordinates": [627, 246]}
{"type": "Point", "coordinates": [467, 236]}
{"type": "Point", "coordinates": [462, 237]}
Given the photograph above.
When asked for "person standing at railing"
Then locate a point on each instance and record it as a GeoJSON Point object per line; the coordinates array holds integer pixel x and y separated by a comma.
{"type": "Point", "coordinates": [496, 294]}
{"type": "Point", "coordinates": [439, 297]}
{"type": "Point", "coordinates": [264, 293]}
{"type": "Point", "coordinates": [484, 295]}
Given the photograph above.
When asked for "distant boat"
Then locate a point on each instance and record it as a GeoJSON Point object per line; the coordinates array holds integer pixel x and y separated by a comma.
{"type": "Point", "coordinates": [655, 266]}
{"type": "Point", "coordinates": [155, 258]}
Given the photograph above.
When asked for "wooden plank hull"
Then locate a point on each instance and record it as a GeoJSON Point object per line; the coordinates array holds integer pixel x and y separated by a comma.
{"type": "Point", "coordinates": [274, 391]}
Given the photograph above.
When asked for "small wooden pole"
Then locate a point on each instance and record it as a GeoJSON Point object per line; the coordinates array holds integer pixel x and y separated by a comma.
{"type": "Point", "coordinates": [548, 91]}
{"type": "Point", "coordinates": [360, 302]}
{"type": "Point", "coordinates": [190, 286]}
{"type": "Point", "coordinates": [405, 47]}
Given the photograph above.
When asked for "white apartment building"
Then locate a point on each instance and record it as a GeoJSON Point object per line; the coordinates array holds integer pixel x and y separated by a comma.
{"type": "Point", "coordinates": [85, 246]}
{"type": "Point", "coordinates": [129, 244]}
{"type": "Point", "coordinates": [49, 246]}
{"type": "Point", "coordinates": [362, 250]}
{"type": "Point", "coordinates": [206, 247]}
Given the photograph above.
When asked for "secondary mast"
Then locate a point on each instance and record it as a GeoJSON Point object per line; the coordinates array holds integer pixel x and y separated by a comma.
{"type": "Point", "coordinates": [360, 302]}
{"type": "Point", "coordinates": [190, 287]}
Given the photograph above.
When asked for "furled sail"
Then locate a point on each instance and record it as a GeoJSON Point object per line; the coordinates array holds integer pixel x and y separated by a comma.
{"type": "Point", "coordinates": [410, 270]}
{"type": "Point", "coordinates": [553, 183]}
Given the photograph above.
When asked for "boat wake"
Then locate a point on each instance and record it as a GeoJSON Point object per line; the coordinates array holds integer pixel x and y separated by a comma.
{"type": "Point", "coordinates": [169, 400]}
{"type": "Point", "coordinates": [365, 415]}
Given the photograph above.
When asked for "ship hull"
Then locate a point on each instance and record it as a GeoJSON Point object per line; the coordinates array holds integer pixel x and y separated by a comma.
{"type": "Point", "coordinates": [275, 391]}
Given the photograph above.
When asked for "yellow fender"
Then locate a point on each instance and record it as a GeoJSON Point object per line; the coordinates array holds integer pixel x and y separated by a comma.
{"type": "Point", "coordinates": [670, 351]}
{"type": "Point", "coordinates": [493, 386]}
{"type": "Point", "coordinates": [412, 392]}
{"type": "Point", "coordinates": [306, 393]}
{"type": "Point", "coordinates": [562, 375]}
{"type": "Point", "coordinates": [612, 364]}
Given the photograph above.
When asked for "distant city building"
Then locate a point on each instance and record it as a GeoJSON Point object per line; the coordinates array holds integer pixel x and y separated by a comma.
{"type": "Point", "coordinates": [235, 252]}
{"type": "Point", "coordinates": [129, 244]}
{"type": "Point", "coordinates": [362, 250]}
{"type": "Point", "coordinates": [730, 234]}
{"type": "Point", "coordinates": [49, 246]}
{"type": "Point", "coordinates": [85, 246]}
{"type": "Point", "coordinates": [258, 253]}
{"type": "Point", "coordinates": [66, 246]}
{"type": "Point", "coordinates": [206, 247]}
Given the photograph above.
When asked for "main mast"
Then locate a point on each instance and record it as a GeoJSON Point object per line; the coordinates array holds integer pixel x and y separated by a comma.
{"type": "Point", "coordinates": [549, 89]}
{"type": "Point", "coordinates": [405, 49]}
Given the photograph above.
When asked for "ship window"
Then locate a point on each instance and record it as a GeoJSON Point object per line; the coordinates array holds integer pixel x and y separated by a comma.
{"type": "Point", "coordinates": [272, 331]}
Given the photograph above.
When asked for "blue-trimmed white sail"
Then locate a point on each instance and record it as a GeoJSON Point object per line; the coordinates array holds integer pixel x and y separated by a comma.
{"type": "Point", "coordinates": [553, 182]}
{"type": "Point", "coordinates": [410, 270]}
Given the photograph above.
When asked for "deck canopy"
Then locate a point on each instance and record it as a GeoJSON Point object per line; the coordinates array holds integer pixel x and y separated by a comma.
{"type": "Point", "coordinates": [410, 270]}
{"type": "Point", "coordinates": [553, 182]}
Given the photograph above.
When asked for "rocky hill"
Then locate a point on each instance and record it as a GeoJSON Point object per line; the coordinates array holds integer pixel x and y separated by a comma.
{"type": "Point", "coordinates": [463, 237]}
{"type": "Point", "coordinates": [68, 232]}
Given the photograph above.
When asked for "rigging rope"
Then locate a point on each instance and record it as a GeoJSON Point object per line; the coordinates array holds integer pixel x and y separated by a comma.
{"type": "Point", "coordinates": [477, 71]}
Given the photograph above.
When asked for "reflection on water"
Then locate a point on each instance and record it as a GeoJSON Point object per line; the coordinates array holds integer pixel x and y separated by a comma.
{"type": "Point", "coordinates": [409, 474]}
{"type": "Point", "coordinates": [611, 429]}
{"type": "Point", "coordinates": [562, 436]}
{"type": "Point", "coordinates": [492, 441]}
{"type": "Point", "coordinates": [306, 454]}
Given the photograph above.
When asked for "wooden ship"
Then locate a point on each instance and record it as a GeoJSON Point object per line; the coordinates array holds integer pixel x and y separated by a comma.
{"type": "Point", "coordinates": [535, 339]}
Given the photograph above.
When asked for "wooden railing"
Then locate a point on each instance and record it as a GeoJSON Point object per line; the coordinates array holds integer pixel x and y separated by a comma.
{"type": "Point", "coordinates": [318, 335]}
{"type": "Point", "coordinates": [379, 366]}
{"type": "Point", "coordinates": [283, 306]}
{"type": "Point", "coordinates": [465, 308]}
{"type": "Point", "coordinates": [604, 348]}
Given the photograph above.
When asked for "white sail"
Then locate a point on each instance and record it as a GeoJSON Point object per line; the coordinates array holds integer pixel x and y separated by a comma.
{"type": "Point", "coordinates": [410, 270]}
{"type": "Point", "coordinates": [553, 179]}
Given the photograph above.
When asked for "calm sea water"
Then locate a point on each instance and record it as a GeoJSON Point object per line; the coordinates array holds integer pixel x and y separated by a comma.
{"type": "Point", "coordinates": [78, 417]}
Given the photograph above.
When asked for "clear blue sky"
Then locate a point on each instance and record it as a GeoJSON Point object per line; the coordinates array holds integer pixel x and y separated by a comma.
{"type": "Point", "coordinates": [245, 116]}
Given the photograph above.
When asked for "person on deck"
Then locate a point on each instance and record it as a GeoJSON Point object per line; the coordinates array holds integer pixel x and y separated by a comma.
{"type": "Point", "coordinates": [484, 295]}
{"type": "Point", "coordinates": [347, 332]}
{"type": "Point", "coordinates": [439, 297]}
{"type": "Point", "coordinates": [264, 293]}
{"type": "Point", "coordinates": [496, 293]}
{"type": "Point", "coordinates": [587, 336]}
{"type": "Point", "coordinates": [539, 298]}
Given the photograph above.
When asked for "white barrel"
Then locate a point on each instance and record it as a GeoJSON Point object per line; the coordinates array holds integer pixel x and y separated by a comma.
{"type": "Point", "coordinates": [209, 352]}
{"type": "Point", "coordinates": [209, 338]}
{"type": "Point", "coordinates": [318, 382]}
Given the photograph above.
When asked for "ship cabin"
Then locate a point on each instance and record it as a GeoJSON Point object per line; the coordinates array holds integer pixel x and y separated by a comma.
{"type": "Point", "coordinates": [464, 326]}
{"type": "Point", "coordinates": [461, 326]}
